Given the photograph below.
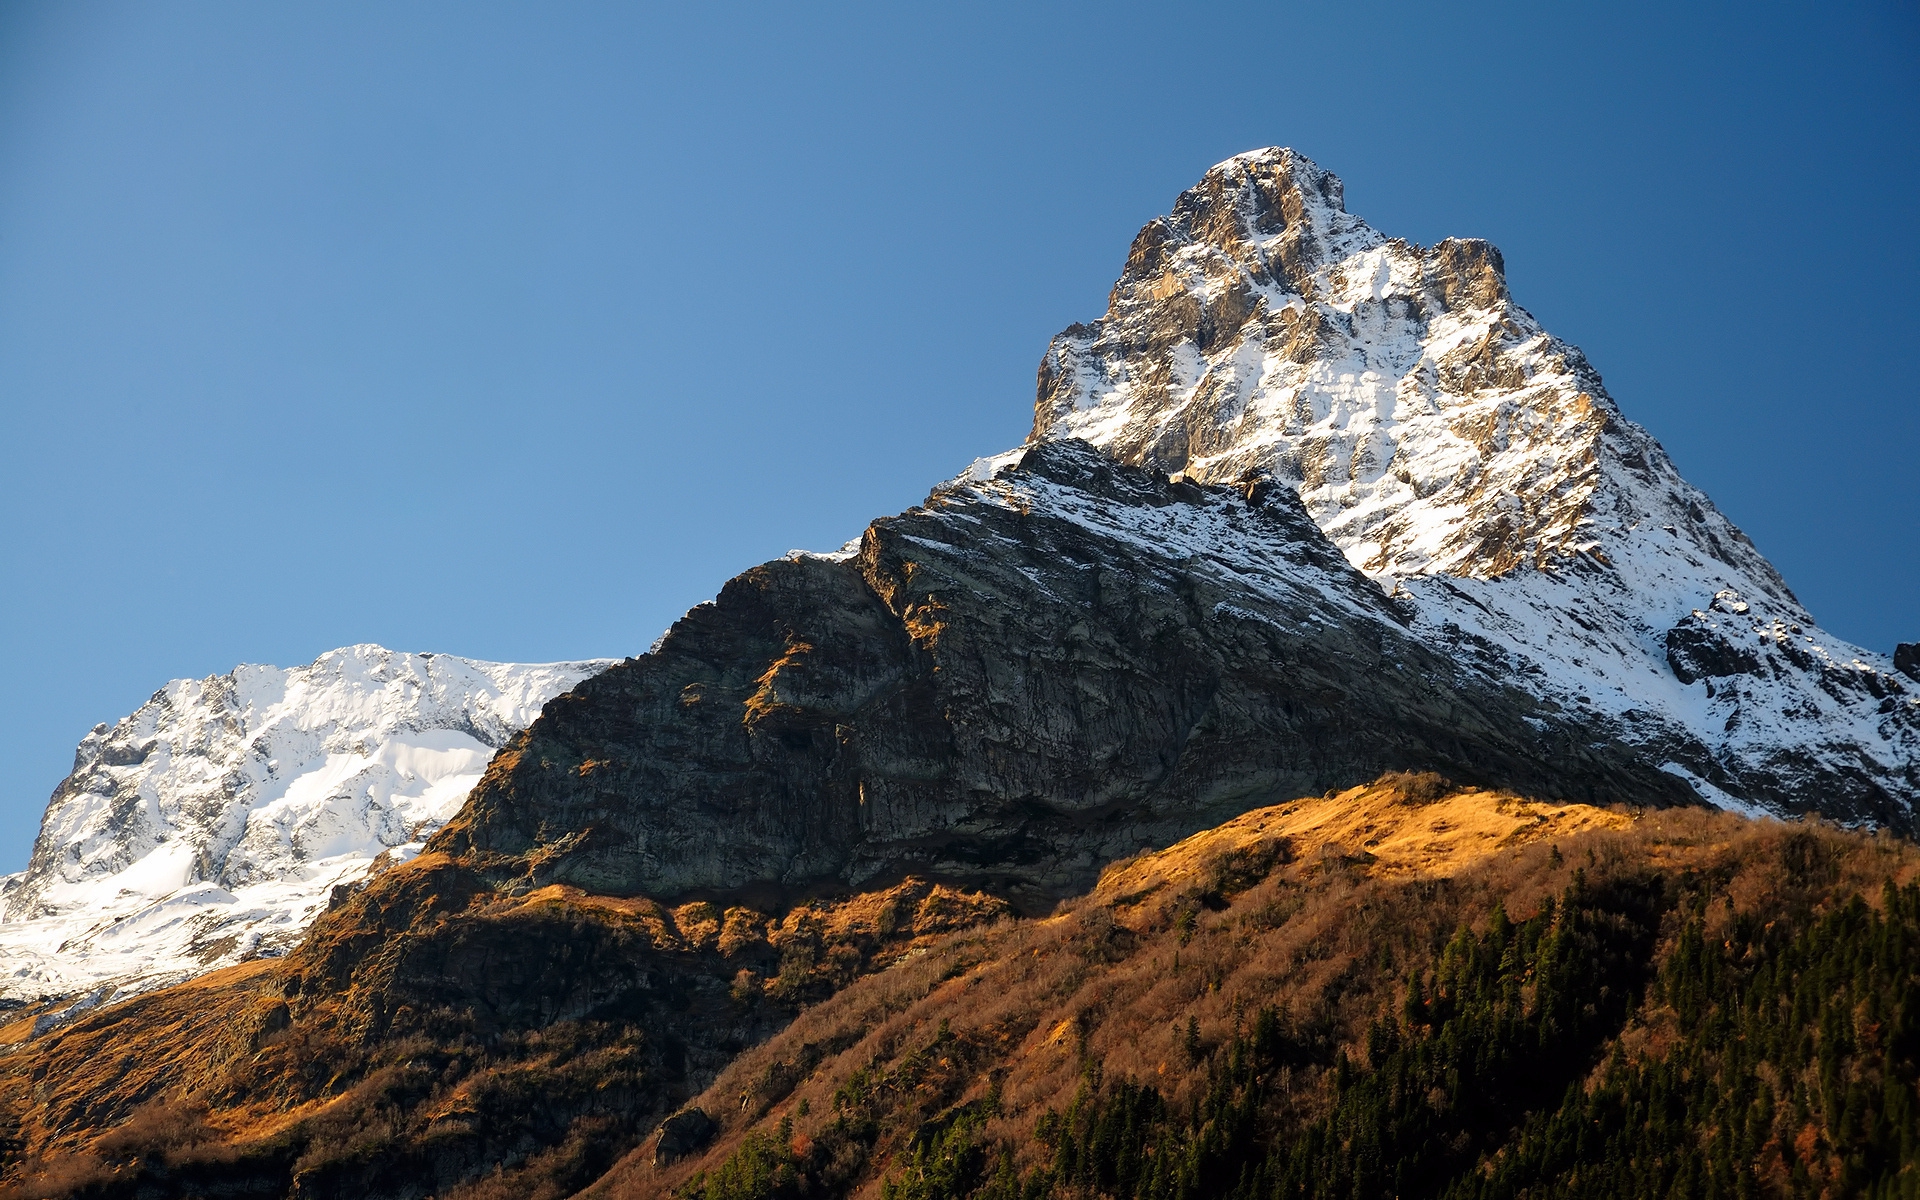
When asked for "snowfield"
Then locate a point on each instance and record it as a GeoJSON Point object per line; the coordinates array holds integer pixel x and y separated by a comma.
{"type": "Point", "coordinates": [212, 825]}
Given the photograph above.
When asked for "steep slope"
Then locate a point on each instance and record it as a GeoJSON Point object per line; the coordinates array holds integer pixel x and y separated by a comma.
{"type": "Point", "coordinates": [212, 824]}
{"type": "Point", "coordinates": [1456, 451]}
{"type": "Point", "coordinates": [1404, 989]}
{"type": "Point", "coordinates": [1046, 667]}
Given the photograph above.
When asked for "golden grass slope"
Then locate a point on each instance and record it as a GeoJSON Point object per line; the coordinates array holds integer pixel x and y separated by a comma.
{"type": "Point", "coordinates": [1317, 908]}
{"type": "Point", "coordinates": [911, 1001]}
{"type": "Point", "coordinates": [1403, 824]}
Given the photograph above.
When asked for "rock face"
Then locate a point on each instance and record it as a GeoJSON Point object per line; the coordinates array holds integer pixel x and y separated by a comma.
{"type": "Point", "coordinates": [682, 1134]}
{"type": "Point", "coordinates": [1049, 666]}
{"type": "Point", "coordinates": [1457, 452]}
{"type": "Point", "coordinates": [214, 822]}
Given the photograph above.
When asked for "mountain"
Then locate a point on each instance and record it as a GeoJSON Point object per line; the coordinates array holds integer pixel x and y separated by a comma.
{"type": "Point", "coordinates": [1295, 759]}
{"type": "Point", "coordinates": [1474, 463]}
{"type": "Point", "coordinates": [1055, 662]}
{"type": "Point", "coordinates": [213, 823]}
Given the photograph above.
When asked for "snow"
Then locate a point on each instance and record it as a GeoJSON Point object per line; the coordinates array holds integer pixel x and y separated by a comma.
{"type": "Point", "coordinates": [1467, 459]}
{"type": "Point", "coordinates": [1208, 537]}
{"type": "Point", "coordinates": [850, 549]}
{"type": "Point", "coordinates": [211, 825]}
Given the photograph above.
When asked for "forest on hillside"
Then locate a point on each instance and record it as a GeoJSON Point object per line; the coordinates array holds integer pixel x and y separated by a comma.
{"type": "Point", "coordinates": [1684, 1015]}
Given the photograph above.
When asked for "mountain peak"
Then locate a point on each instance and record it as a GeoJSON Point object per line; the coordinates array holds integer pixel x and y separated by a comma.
{"type": "Point", "coordinates": [1268, 215]}
{"type": "Point", "coordinates": [1430, 423]}
{"type": "Point", "coordinates": [1470, 461]}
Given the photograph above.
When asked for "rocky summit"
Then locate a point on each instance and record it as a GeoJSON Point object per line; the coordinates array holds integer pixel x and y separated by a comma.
{"type": "Point", "coordinates": [1291, 772]}
{"type": "Point", "coordinates": [1473, 463]}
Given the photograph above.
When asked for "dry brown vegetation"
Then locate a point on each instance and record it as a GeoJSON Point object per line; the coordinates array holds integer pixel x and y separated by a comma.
{"type": "Point", "coordinates": [438, 1036]}
{"type": "Point", "coordinates": [524, 1041]}
{"type": "Point", "coordinates": [1315, 909]}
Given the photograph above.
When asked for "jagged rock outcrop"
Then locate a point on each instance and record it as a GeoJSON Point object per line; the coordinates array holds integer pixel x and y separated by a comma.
{"type": "Point", "coordinates": [1038, 671]}
{"type": "Point", "coordinates": [1429, 423]}
{"type": "Point", "coordinates": [213, 823]}
{"type": "Point", "coordinates": [1461, 454]}
{"type": "Point", "coordinates": [682, 1134]}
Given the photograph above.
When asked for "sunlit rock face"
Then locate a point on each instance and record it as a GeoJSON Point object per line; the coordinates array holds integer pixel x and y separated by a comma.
{"type": "Point", "coordinates": [212, 824]}
{"type": "Point", "coordinates": [1457, 452]}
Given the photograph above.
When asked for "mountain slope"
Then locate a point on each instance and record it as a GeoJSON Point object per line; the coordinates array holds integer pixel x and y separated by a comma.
{"type": "Point", "coordinates": [212, 824]}
{"type": "Point", "coordinates": [1051, 665]}
{"type": "Point", "coordinates": [1455, 450]}
{"type": "Point", "coordinates": [1310, 1002]}
{"type": "Point", "coordinates": [495, 1045]}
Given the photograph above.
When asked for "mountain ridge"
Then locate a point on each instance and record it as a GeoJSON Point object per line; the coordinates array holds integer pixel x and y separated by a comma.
{"type": "Point", "coordinates": [212, 823]}
{"type": "Point", "coordinates": [1063, 662]}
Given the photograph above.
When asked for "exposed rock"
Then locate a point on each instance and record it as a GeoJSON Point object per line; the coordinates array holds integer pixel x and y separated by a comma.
{"type": "Point", "coordinates": [681, 1134]}
{"type": "Point", "coordinates": [1033, 674]}
{"type": "Point", "coordinates": [1906, 658]}
{"type": "Point", "coordinates": [1461, 454]}
{"type": "Point", "coordinates": [1697, 649]}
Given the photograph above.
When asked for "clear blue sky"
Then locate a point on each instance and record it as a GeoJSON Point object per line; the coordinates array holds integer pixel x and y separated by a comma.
{"type": "Point", "coordinates": [513, 331]}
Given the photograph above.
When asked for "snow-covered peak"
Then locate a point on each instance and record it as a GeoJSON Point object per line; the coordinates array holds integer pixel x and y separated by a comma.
{"type": "Point", "coordinates": [1474, 464]}
{"type": "Point", "coordinates": [212, 823]}
{"type": "Point", "coordinates": [1431, 425]}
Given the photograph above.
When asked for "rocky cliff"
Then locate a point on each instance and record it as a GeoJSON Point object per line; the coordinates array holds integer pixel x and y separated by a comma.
{"type": "Point", "coordinates": [1042, 669]}
{"type": "Point", "coordinates": [1463, 456]}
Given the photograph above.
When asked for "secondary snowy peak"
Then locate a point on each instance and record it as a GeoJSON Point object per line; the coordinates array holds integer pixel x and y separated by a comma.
{"type": "Point", "coordinates": [212, 824]}
{"type": "Point", "coordinates": [1431, 424]}
{"type": "Point", "coordinates": [1469, 460]}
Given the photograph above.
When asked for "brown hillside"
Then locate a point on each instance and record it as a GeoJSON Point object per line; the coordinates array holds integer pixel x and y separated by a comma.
{"type": "Point", "coordinates": [1316, 910]}
{"type": "Point", "coordinates": [441, 1037]}
{"type": "Point", "coordinates": [432, 1031]}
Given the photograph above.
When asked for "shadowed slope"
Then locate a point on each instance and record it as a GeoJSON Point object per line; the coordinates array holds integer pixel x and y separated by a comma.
{"type": "Point", "coordinates": [1035, 673]}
